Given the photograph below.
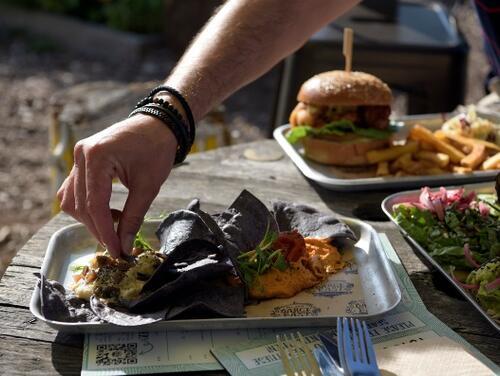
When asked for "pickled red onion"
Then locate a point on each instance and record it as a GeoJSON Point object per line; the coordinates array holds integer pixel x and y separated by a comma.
{"type": "Point", "coordinates": [469, 258]}
{"type": "Point", "coordinates": [493, 285]}
{"type": "Point", "coordinates": [464, 285]}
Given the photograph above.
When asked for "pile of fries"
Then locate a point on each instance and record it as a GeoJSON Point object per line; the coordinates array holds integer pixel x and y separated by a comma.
{"type": "Point", "coordinates": [434, 153]}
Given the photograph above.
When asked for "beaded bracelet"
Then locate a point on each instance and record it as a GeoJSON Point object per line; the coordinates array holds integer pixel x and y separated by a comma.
{"type": "Point", "coordinates": [175, 124]}
{"type": "Point", "coordinates": [150, 98]}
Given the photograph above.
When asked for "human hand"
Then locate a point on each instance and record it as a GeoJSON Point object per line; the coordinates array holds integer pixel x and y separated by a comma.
{"type": "Point", "coordinates": [140, 151]}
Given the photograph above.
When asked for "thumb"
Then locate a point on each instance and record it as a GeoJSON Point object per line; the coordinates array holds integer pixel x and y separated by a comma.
{"type": "Point", "coordinates": [136, 207]}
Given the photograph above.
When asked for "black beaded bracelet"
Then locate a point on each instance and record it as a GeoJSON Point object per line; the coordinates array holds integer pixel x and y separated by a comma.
{"type": "Point", "coordinates": [178, 129]}
{"type": "Point", "coordinates": [150, 98]}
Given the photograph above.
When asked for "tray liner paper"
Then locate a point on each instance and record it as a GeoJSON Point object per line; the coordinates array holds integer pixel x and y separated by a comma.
{"type": "Point", "coordinates": [253, 351]}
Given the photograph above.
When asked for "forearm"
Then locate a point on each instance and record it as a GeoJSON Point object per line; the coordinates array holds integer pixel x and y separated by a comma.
{"type": "Point", "coordinates": [243, 41]}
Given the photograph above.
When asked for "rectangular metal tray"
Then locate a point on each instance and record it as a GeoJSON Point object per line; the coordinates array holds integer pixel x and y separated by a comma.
{"type": "Point", "coordinates": [400, 197]}
{"type": "Point", "coordinates": [345, 179]}
{"type": "Point", "coordinates": [367, 287]}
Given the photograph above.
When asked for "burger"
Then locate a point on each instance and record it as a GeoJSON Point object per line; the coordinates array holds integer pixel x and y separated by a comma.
{"type": "Point", "coordinates": [341, 116]}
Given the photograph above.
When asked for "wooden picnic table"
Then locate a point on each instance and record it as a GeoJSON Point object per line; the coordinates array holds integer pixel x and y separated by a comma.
{"type": "Point", "coordinates": [28, 346]}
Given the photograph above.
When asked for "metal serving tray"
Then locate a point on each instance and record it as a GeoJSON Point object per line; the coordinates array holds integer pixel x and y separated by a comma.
{"type": "Point", "coordinates": [398, 198]}
{"type": "Point", "coordinates": [365, 288]}
{"type": "Point", "coordinates": [349, 179]}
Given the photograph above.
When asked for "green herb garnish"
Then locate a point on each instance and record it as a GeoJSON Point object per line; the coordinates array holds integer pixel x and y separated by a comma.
{"type": "Point", "coordinates": [76, 268]}
{"type": "Point", "coordinates": [141, 242]}
{"type": "Point", "coordinates": [262, 258]}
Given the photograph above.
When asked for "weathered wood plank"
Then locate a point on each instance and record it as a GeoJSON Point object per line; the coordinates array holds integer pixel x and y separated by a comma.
{"type": "Point", "coordinates": [17, 285]}
{"type": "Point", "coordinates": [217, 177]}
{"type": "Point", "coordinates": [486, 345]}
{"type": "Point", "coordinates": [20, 356]}
{"type": "Point", "coordinates": [19, 322]}
{"type": "Point", "coordinates": [449, 307]}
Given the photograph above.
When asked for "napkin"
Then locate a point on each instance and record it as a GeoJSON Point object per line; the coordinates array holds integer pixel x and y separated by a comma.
{"type": "Point", "coordinates": [438, 356]}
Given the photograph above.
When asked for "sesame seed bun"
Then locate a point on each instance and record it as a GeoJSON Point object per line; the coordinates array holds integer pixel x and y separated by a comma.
{"type": "Point", "coordinates": [341, 88]}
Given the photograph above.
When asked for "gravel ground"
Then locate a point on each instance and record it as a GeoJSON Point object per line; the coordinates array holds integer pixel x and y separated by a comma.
{"type": "Point", "coordinates": [31, 70]}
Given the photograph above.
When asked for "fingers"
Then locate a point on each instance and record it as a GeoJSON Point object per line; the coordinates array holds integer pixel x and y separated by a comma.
{"type": "Point", "coordinates": [80, 192]}
{"type": "Point", "coordinates": [136, 206]}
{"type": "Point", "coordinates": [85, 195]}
{"type": "Point", "coordinates": [99, 178]}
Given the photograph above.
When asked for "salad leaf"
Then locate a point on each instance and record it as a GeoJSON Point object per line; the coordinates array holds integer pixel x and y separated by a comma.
{"type": "Point", "coordinates": [489, 298]}
{"type": "Point", "coordinates": [445, 240]}
{"type": "Point", "coordinates": [337, 128]}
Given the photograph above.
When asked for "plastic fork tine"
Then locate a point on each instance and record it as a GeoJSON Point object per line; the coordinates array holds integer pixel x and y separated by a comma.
{"type": "Point", "coordinates": [346, 340]}
{"type": "Point", "coordinates": [310, 356]}
{"type": "Point", "coordinates": [284, 357]}
{"type": "Point", "coordinates": [355, 340]}
{"type": "Point", "coordinates": [372, 359]}
{"type": "Point", "coordinates": [340, 343]}
{"type": "Point", "coordinates": [362, 335]}
{"type": "Point", "coordinates": [296, 357]}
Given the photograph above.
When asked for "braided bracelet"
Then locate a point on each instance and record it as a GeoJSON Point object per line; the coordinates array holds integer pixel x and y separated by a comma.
{"type": "Point", "coordinates": [173, 123]}
{"type": "Point", "coordinates": [150, 98]}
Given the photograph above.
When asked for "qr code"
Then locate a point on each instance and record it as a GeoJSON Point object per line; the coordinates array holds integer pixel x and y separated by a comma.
{"type": "Point", "coordinates": [116, 354]}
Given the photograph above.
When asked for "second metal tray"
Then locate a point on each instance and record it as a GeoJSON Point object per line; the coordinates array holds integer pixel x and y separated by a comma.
{"type": "Point", "coordinates": [407, 196]}
{"type": "Point", "coordinates": [346, 179]}
{"type": "Point", "coordinates": [366, 287]}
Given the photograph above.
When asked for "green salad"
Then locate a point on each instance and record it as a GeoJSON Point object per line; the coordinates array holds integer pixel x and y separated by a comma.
{"type": "Point", "coordinates": [462, 233]}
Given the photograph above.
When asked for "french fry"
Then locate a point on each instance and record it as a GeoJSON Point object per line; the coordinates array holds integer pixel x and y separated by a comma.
{"type": "Point", "coordinates": [400, 173]}
{"type": "Point", "coordinates": [382, 169]}
{"type": "Point", "coordinates": [420, 133]}
{"type": "Point", "coordinates": [492, 162]}
{"type": "Point", "coordinates": [391, 153]}
{"type": "Point", "coordinates": [434, 171]}
{"type": "Point", "coordinates": [401, 162]}
{"type": "Point", "coordinates": [462, 170]}
{"type": "Point", "coordinates": [425, 146]}
{"type": "Point", "coordinates": [475, 158]}
{"type": "Point", "coordinates": [440, 135]}
{"type": "Point", "coordinates": [440, 159]}
{"type": "Point", "coordinates": [472, 141]}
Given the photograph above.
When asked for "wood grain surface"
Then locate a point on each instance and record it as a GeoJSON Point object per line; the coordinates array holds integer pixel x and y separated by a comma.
{"type": "Point", "coordinates": [28, 346]}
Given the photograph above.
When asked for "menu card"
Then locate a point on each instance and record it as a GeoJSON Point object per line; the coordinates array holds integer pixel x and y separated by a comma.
{"type": "Point", "coordinates": [253, 351]}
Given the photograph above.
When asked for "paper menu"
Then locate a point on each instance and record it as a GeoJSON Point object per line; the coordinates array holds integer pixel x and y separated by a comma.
{"type": "Point", "coordinates": [251, 352]}
{"type": "Point", "coordinates": [437, 356]}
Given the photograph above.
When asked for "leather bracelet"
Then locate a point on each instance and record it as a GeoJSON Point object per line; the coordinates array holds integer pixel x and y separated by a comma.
{"type": "Point", "coordinates": [150, 98]}
{"type": "Point", "coordinates": [161, 105]}
{"type": "Point", "coordinates": [179, 131]}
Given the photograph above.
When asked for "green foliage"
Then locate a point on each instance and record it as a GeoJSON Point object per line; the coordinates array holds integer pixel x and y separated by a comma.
{"type": "Point", "coordinates": [140, 16]}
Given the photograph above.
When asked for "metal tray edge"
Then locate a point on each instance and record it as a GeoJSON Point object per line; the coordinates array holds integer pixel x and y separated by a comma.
{"type": "Point", "coordinates": [387, 209]}
{"type": "Point", "coordinates": [373, 182]}
{"type": "Point", "coordinates": [217, 323]}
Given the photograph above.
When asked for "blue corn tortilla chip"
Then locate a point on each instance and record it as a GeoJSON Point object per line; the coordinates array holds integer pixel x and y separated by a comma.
{"type": "Point", "coordinates": [180, 226]}
{"type": "Point", "coordinates": [245, 223]}
{"type": "Point", "coordinates": [309, 222]}
{"type": "Point", "coordinates": [213, 298]}
{"type": "Point", "coordinates": [189, 264]}
{"type": "Point", "coordinates": [123, 318]}
{"type": "Point", "coordinates": [209, 220]}
{"type": "Point", "coordinates": [59, 305]}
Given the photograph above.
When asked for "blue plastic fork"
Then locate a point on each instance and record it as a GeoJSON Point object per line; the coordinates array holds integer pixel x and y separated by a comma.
{"type": "Point", "coordinates": [356, 352]}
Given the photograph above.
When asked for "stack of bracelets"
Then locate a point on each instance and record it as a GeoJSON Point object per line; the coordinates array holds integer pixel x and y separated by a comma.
{"type": "Point", "coordinates": [168, 114]}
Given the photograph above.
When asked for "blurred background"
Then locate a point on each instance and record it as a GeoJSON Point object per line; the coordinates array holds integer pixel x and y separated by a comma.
{"type": "Point", "coordinates": [69, 68]}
